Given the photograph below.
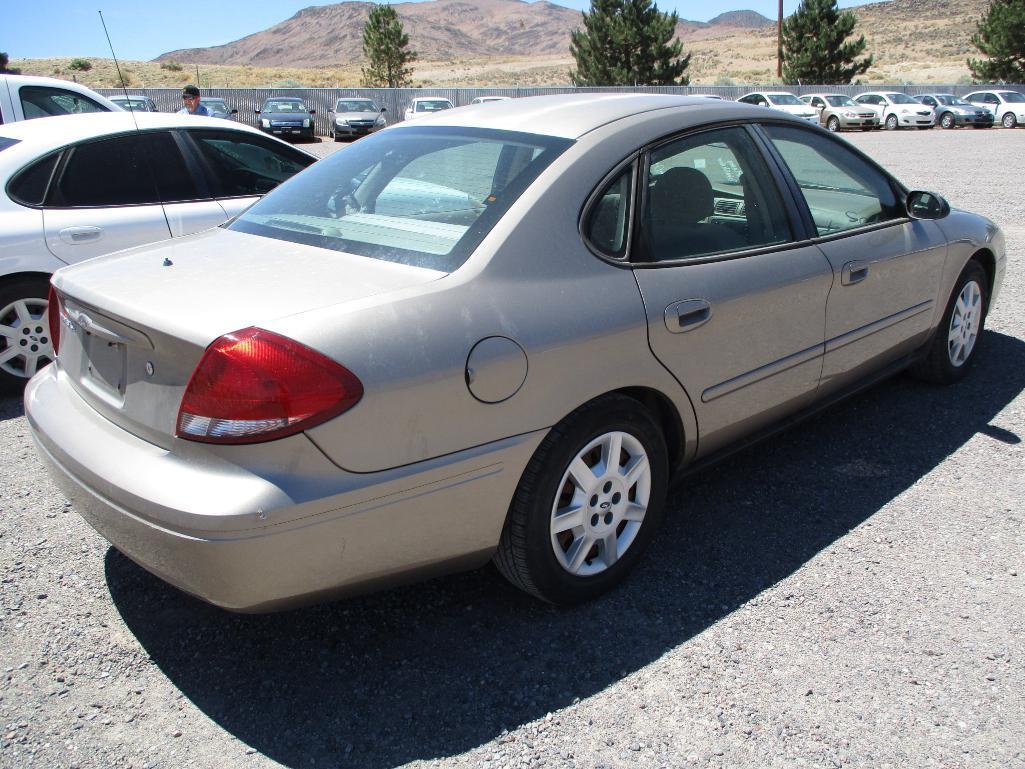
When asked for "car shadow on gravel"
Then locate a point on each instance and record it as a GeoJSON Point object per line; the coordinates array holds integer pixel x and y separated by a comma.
{"type": "Point", "coordinates": [11, 407]}
{"type": "Point", "coordinates": [439, 668]}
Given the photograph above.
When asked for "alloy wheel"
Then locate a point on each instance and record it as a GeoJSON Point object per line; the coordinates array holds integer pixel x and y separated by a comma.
{"type": "Point", "coordinates": [1009, 121]}
{"type": "Point", "coordinates": [25, 345]}
{"type": "Point", "coordinates": [964, 324]}
{"type": "Point", "coordinates": [601, 504]}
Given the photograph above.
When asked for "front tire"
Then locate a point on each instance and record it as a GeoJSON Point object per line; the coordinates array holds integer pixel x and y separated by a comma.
{"type": "Point", "coordinates": [25, 345]}
{"type": "Point", "coordinates": [947, 121]}
{"type": "Point", "coordinates": [891, 123]}
{"type": "Point", "coordinates": [1009, 120]}
{"type": "Point", "coordinates": [956, 340]}
{"type": "Point", "coordinates": [833, 124]}
{"type": "Point", "coordinates": [588, 503]}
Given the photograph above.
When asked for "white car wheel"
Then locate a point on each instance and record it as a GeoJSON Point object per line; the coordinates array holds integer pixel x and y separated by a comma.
{"type": "Point", "coordinates": [25, 345]}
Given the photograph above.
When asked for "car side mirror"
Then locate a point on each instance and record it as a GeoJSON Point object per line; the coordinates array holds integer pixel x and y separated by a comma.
{"type": "Point", "coordinates": [256, 111]}
{"type": "Point", "coordinates": [926, 205]}
{"type": "Point", "coordinates": [384, 109]}
{"type": "Point", "coordinates": [234, 112]}
{"type": "Point", "coordinates": [313, 112]}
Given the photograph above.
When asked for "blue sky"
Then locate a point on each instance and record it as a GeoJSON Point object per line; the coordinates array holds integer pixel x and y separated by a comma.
{"type": "Point", "coordinates": [144, 30]}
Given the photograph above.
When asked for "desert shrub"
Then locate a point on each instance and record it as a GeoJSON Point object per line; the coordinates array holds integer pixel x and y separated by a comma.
{"type": "Point", "coordinates": [80, 65]}
{"type": "Point", "coordinates": [171, 66]}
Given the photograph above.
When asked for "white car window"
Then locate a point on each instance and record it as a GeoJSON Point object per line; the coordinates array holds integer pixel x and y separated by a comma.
{"type": "Point", "coordinates": [44, 101]}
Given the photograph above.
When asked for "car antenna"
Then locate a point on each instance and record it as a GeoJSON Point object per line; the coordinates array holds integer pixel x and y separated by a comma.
{"type": "Point", "coordinates": [118, 68]}
{"type": "Point", "coordinates": [135, 121]}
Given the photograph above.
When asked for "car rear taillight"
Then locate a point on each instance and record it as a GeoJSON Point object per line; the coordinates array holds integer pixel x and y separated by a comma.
{"type": "Point", "coordinates": [53, 316]}
{"type": "Point", "coordinates": [254, 385]}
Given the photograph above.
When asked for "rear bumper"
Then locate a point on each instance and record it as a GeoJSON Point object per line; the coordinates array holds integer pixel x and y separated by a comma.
{"type": "Point", "coordinates": [252, 536]}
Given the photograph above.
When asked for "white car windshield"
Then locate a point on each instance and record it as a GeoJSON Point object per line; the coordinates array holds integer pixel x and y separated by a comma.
{"type": "Point", "coordinates": [432, 106]}
{"type": "Point", "coordinates": [839, 100]}
{"type": "Point", "coordinates": [356, 105]}
{"type": "Point", "coordinates": [902, 98]}
{"type": "Point", "coordinates": [785, 100]}
{"type": "Point", "coordinates": [1013, 97]}
{"type": "Point", "coordinates": [423, 196]}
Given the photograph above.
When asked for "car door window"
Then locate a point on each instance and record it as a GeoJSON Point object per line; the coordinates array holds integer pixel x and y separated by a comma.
{"type": "Point", "coordinates": [243, 165]}
{"type": "Point", "coordinates": [175, 183]}
{"type": "Point", "coordinates": [109, 172]}
{"type": "Point", "coordinates": [843, 191]}
{"type": "Point", "coordinates": [711, 193]}
{"type": "Point", "coordinates": [43, 101]}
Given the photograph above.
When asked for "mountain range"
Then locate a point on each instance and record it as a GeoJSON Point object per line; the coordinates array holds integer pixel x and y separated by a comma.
{"type": "Point", "coordinates": [332, 35]}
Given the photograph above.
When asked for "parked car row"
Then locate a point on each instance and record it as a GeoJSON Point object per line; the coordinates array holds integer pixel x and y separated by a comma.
{"type": "Point", "coordinates": [893, 110]}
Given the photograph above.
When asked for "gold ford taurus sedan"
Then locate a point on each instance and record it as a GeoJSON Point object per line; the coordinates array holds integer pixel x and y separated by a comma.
{"type": "Point", "coordinates": [495, 333]}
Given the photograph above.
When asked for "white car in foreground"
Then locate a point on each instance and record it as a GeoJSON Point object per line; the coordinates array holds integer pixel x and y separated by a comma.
{"type": "Point", "coordinates": [784, 102]}
{"type": "Point", "coordinates": [897, 110]}
{"type": "Point", "coordinates": [76, 187]}
{"type": "Point", "coordinates": [426, 105]}
{"type": "Point", "coordinates": [1008, 107]}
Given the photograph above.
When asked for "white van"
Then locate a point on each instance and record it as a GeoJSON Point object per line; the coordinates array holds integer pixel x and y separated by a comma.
{"type": "Point", "coordinates": [23, 97]}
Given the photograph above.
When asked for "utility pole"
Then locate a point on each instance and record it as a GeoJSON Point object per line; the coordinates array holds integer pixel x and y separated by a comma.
{"type": "Point", "coordinates": [779, 42]}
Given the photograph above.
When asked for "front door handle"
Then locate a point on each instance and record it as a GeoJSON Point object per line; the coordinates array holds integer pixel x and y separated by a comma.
{"type": "Point", "coordinates": [75, 235]}
{"type": "Point", "coordinates": [853, 272]}
{"type": "Point", "coordinates": [687, 315]}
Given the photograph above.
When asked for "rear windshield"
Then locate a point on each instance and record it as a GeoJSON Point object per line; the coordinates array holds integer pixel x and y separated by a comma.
{"type": "Point", "coordinates": [422, 196]}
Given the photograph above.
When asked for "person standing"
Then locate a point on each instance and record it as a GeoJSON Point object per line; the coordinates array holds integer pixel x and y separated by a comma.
{"type": "Point", "coordinates": [190, 95]}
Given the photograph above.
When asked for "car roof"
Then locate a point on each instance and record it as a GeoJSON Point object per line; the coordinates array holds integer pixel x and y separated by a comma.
{"type": "Point", "coordinates": [571, 116]}
{"type": "Point", "coordinates": [36, 137]}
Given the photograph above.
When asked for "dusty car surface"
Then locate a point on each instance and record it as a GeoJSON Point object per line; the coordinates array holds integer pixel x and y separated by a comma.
{"type": "Point", "coordinates": [76, 187]}
{"type": "Point", "coordinates": [495, 333]}
{"type": "Point", "coordinates": [839, 112]}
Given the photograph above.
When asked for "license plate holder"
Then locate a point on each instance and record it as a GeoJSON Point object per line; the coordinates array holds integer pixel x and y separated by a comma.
{"type": "Point", "coordinates": [106, 363]}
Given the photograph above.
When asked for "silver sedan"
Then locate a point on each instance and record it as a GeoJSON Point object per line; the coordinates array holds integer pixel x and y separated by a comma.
{"type": "Point", "coordinates": [494, 333]}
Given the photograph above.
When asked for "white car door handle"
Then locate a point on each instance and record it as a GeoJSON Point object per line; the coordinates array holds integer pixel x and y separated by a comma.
{"type": "Point", "coordinates": [75, 235]}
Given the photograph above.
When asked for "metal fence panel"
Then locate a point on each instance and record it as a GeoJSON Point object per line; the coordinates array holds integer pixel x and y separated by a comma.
{"type": "Point", "coordinates": [395, 100]}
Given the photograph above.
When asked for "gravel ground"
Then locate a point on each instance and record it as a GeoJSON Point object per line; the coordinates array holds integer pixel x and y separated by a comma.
{"type": "Point", "coordinates": [849, 593]}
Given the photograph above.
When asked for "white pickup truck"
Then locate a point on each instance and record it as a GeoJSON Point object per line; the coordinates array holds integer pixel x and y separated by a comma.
{"type": "Point", "coordinates": [23, 97]}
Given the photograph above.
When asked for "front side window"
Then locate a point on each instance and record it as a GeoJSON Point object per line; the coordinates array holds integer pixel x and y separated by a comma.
{"type": "Point", "coordinates": [711, 193]}
{"type": "Point", "coordinates": [243, 165]}
{"type": "Point", "coordinates": [43, 101]}
{"type": "Point", "coordinates": [421, 196]}
{"type": "Point", "coordinates": [843, 191]}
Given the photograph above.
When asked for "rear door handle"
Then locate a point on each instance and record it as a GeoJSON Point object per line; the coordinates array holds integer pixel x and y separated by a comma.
{"type": "Point", "coordinates": [853, 272]}
{"type": "Point", "coordinates": [687, 315]}
{"type": "Point", "coordinates": [75, 235]}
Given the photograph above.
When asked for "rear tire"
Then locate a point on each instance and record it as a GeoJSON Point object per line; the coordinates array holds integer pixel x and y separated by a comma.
{"type": "Point", "coordinates": [955, 342]}
{"type": "Point", "coordinates": [25, 345]}
{"type": "Point", "coordinates": [588, 503]}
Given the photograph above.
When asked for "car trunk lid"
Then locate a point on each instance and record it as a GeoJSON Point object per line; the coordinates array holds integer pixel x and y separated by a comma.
{"type": "Point", "coordinates": [135, 324]}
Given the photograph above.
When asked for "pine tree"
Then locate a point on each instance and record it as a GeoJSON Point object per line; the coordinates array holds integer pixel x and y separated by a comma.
{"type": "Point", "coordinates": [1001, 37]}
{"type": "Point", "coordinates": [628, 42]}
{"type": "Point", "coordinates": [385, 47]}
{"type": "Point", "coordinates": [815, 48]}
{"type": "Point", "coordinates": [4, 69]}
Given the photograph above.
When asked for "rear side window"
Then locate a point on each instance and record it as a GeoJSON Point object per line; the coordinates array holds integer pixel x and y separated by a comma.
{"type": "Point", "coordinates": [29, 186]}
{"type": "Point", "coordinates": [128, 170]}
{"type": "Point", "coordinates": [609, 218]}
{"type": "Point", "coordinates": [42, 101]}
{"type": "Point", "coordinates": [242, 166]}
{"type": "Point", "coordinates": [843, 191]}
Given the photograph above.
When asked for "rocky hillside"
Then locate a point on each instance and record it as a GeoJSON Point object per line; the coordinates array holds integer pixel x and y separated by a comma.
{"type": "Point", "coordinates": [332, 35]}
